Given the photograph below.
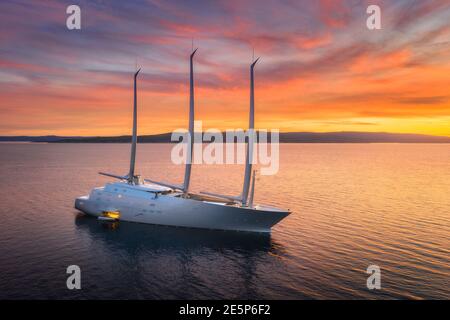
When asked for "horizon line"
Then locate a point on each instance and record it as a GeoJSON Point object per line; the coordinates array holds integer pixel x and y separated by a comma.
{"type": "Point", "coordinates": [224, 131]}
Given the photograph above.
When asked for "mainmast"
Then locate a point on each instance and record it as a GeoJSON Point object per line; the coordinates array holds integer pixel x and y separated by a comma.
{"type": "Point", "coordinates": [187, 173]}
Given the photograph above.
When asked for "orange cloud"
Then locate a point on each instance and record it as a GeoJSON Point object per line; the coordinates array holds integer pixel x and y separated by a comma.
{"type": "Point", "coordinates": [311, 43]}
{"type": "Point", "coordinates": [375, 62]}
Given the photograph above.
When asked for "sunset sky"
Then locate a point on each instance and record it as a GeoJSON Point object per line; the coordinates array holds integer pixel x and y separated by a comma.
{"type": "Point", "coordinates": [321, 69]}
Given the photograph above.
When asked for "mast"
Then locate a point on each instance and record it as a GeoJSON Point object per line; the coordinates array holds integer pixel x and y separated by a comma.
{"type": "Point", "coordinates": [134, 134]}
{"type": "Point", "coordinates": [252, 190]}
{"type": "Point", "coordinates": [187, 171]}
{"type": "Point", "coordinates": [251, 127]}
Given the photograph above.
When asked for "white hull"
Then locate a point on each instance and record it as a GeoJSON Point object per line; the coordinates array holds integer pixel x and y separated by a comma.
{"type": "Point", "coordinates": [136, 204]}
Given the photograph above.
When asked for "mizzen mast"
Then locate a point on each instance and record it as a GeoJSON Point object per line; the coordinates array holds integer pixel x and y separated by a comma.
{"type": "Point", "coordinates": [243, 197]}
{"type": "Point", "coordinates": [190, 147]}
{"type": "Point", "coordinates": [134, 133]}
{"type": "Point", "coordinates": [251, 136]}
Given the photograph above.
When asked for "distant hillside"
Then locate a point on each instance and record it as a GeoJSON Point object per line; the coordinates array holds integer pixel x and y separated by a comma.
{"type": "Point", "coordinates": [287, 137]}
{"type": "Point", "coordinates": [35, 138]}
{"type": "Point", "coordinates": [359, 137]}
{"type": "Point", "coordinates": [156, 138]}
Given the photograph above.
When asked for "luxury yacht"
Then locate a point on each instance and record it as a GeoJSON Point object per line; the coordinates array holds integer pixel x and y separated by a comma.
{"type": "Point", "coordinates": [136, 199]}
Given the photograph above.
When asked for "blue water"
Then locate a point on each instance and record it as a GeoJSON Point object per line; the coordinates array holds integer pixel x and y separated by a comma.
{"type": "Point", "coordinates": [353, 206]}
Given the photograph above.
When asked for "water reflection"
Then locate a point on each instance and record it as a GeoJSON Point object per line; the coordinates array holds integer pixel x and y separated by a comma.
{"type": "Point", "coordinates": [178, 263]}
{"type": "Point", "coordinates": [134, 235]}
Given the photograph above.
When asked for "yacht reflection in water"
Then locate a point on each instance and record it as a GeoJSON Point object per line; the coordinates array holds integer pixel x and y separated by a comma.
{"type": "Point", "coordinates": [143, 261]}
{"type": "Point", "coordinates": [132, 235]}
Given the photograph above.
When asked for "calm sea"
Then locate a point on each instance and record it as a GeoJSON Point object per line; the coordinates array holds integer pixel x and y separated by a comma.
{"type": "Point", "coordinates": [354, 205]}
